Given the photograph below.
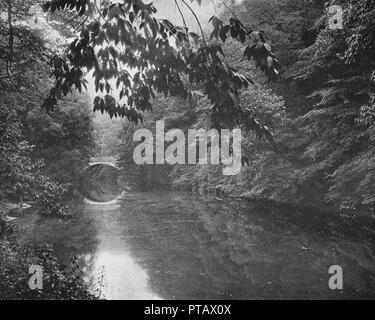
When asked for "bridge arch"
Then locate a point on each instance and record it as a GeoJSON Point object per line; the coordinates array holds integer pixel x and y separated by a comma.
{"type": "Point", "coordinates": [101, 183]}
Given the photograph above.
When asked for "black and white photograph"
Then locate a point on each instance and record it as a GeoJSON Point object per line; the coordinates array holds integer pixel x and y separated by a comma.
{"type": "Point", "coordinates": [187, 153]}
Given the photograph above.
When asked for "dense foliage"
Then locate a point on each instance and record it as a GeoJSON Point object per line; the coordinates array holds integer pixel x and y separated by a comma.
{"type": "Point", "coordinates": [321, 112]}
{"type": "Point", "coordinates": [15, 261]}
{"type": "Point", "coordinates": [43, 155]}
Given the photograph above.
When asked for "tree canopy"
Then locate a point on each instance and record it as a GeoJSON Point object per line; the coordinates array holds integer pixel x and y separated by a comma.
{"type": "Point", "coordinates": [133, 56]}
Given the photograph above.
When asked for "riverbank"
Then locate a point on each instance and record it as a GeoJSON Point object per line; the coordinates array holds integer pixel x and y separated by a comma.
{"type": "Point", "coordinates": [16, 259]}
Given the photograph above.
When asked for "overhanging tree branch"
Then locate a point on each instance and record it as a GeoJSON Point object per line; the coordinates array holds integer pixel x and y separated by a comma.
{"type": "Point", "coordinates": [196, 18]}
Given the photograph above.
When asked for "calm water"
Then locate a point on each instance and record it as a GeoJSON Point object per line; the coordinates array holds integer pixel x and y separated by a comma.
{"type": "Point", "coordinates": [179, 246]}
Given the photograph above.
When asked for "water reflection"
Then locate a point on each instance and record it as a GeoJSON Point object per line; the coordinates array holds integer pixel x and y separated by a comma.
{"type": "Point", "coordinates": [122, 277]}
{"type": "Point", "coordinates": [177, 246]}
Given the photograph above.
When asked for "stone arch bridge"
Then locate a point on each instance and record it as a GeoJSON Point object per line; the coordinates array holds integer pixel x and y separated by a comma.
{"type": "Point", "coordinates": [101, 182]}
